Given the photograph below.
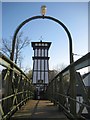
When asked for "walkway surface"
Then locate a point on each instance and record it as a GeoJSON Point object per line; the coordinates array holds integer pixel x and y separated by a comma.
{"type": "Point", "coordinates": [38, 109]}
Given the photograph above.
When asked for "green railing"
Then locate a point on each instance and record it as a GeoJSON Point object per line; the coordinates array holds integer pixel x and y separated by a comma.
{"type": "Point", "coordinates": [59, 90]}
{"type": "Point", "coordinates": [16, 88]}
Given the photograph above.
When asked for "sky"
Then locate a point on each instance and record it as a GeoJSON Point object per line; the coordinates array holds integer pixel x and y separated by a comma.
{"type": "Point", "coordinates": [73, 14]}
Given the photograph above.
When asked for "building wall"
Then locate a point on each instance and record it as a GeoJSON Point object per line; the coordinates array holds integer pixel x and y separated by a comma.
{"type": "Point", "coordinates": [40, 62]}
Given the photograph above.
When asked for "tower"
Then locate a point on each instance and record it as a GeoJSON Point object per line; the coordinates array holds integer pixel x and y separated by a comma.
{"type": "Point", "coordinates": [40, 64]}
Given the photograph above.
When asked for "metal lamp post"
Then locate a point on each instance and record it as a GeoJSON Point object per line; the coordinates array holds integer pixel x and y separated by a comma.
{"type": "Point", "coordinates": [72, 76]}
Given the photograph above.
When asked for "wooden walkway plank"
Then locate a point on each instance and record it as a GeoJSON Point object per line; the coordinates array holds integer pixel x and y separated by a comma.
{"type": "Point", "coordinates": [36, 109]}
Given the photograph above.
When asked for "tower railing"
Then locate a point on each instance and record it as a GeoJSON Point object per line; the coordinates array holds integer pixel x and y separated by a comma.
{"type": "Point", "coordinates": [59, 90]}
{"type": "Point", "coordinates": [15, 90]}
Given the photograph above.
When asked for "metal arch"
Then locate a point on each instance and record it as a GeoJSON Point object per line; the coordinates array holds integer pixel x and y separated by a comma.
{"type": "Point", "coordinates": [43, 17]}
{"type": "Point", "coordinates": [72, 71]}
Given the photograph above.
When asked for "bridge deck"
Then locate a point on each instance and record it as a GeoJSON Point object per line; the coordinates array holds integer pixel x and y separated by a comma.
{"type": "Point", "coordinates": [38, 109]}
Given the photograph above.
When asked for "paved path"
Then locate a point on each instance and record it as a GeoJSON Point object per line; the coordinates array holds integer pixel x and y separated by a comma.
{"type": "Point", "coordinates": [39, 109]}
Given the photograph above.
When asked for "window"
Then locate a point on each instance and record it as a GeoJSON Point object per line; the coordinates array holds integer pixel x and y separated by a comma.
{"type": "Point", "coordinates": [46, 77]}
{"type": "Point", "coordinates": [38, 75]}
{"type": "Point", "coordinates": [42, 65]}
{"type": "Point", "coordinates": [46, 53]}
{"type": "Point", "coordinates": [42, 76]}
{"type": "Point", "coordinates": [34, 77]}
{"type": "Point", "coordinates": [38, 64]}
{"type": "Point", "coordinates": [46, 65]}
{"type": "Point", "coordinates": [45, 44]}
{"type": "Point", "coordinates": [36, 44]}
{"type": "Point", "coordinates": [35, 64]}
{"type": "Point", "coordinates": [35, 52]}
{"type": "Point", "coordinates": [39, 52]}
{"type": "Point", "coordinates": [42, 44]}
{"type": "Point", "coordinates": [42, 52]}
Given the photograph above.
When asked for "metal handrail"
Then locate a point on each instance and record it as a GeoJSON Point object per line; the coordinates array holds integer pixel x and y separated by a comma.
{"type": "Point", "coordinates": [24, 94]}
{"type": "Point", "coordinates": [4, 58]}
{"type": "Point", "coordinates": [75, 64]}
{"type": "Point", "coordinates": [74, 100]}
{"type": "Point", "coordinates": [12, 95]}
{"type": "Point", "coordinates": [13, 109]}
{"type": "Point", "coordinates": [54, 94]}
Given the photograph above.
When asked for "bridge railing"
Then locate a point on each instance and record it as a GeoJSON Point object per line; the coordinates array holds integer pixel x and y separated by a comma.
{"type": "Point", "coordinates": [15, 87]}
{"type": "Point", "coordinates": [59, 90]}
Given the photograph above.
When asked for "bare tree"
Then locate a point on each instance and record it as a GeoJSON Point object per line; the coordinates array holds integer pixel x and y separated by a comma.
{"type": "Point", "coordinates": [52, 74]}
{"type": "Point", "coordinates": [20, 44]}
{"type": "Point", "coordinates": [29, 74]}
{"type": "Point", "coordinates": [59, 67]}
{"type": "Point", "coordinates": [6, 47]}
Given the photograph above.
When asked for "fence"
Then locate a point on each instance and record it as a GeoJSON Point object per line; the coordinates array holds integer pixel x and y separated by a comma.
{"type": "Point", "coordinates": [59, 90]}
{"type": "Point", "coordinates": [16, 88]}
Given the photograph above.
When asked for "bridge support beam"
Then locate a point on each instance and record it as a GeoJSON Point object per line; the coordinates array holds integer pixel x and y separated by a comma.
{"type": "Point", "coordinates": [61, 91]}
{"type": "Point", "coordinates": [72, 91]}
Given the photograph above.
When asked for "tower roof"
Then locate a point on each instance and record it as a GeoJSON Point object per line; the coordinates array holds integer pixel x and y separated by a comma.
{"type": "Point", "coordinates": [40, 44]}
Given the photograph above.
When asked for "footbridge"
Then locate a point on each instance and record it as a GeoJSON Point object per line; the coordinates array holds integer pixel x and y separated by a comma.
{"type": "Point", "coordinates": [17, 94]}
